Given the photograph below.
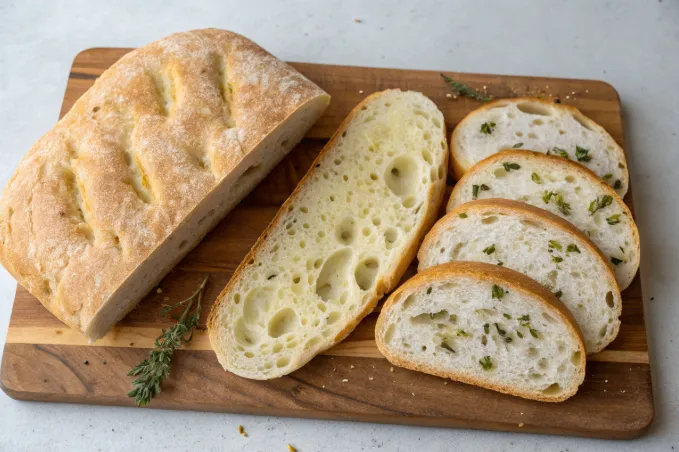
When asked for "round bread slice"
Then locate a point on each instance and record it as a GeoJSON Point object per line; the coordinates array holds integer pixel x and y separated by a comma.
{"type": "Point", "coordinates": [484, 325]}
{"type": "Point", "coordinates": [540, 245]}
{"type": "Point", "coordinates": [566, 189]}
{"type": "Point", "coordinates": [541, 126]}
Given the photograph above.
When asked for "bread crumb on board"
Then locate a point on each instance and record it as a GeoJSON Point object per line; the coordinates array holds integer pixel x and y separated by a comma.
{"type": "Point", "coordinates": [241, 430]}
{"type": "Point", "coordinates": [159, 290]}
{"type": "Point", "coordinates": [370, 378]}
{"type": "Point", "coordinates": [345, 381]}
{"type": "Point", "coordinates": [351, 367]}
{"type": "Point", "coordinates": [358, 21]}
{"type": "Point", "coordinates": [521, 425]}
{"type": "Point", "coordinates": [391, 369]}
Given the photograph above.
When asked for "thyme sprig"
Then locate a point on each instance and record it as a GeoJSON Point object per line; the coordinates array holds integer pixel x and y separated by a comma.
{"type": "Point", "coordinates": [463, 90]}
{"type": "Point", "coordinates": [152, 371]}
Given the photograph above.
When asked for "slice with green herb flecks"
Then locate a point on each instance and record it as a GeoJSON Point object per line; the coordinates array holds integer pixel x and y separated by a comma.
{"type": "Point", "coordinates": [486, 346]}
{"type": "Point", "coordinates": [540, 126]}
{"type": "Point", "coordinates": [540, 245]}
{"type": "Point", "coordinates": [567, 190]}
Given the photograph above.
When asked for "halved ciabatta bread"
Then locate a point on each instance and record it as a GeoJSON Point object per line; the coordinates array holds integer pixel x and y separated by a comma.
{"type": "Point", "coordinates": [343, 239]}
{"type": "Point", "coordinates": [484, 325]}
{"type": "Point", "coordinates": [566, 189]}
{"type": "Point", "coordinates": [541, 126]}
{"type": "Point", "coordinates": [167, 141]}
{"type": "Point", "coordinates": [540, 245]}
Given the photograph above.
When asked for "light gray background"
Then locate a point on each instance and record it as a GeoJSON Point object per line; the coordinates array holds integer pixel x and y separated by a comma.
{"type": "Point", "coordinates": [633, 45]}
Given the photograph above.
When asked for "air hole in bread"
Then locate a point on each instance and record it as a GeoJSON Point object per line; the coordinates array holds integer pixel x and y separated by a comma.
{"type": "Point", "coordinates": [500, 173]}
{"type": "Point", "coordinates": [426, 155]}
{"type": "Point", "coordinates": [365, 273]}
{"type": "Point", "coordinates": [562, 132]}
{"type": "Point", "coordinates": [236, 298]}
{"type": "Point", "coordinates": [311, 342]}
{"type": "Point", "coordinates": [256, 302]}
{"type": "Point", "coordinates": [489, 220]}
{"type": "Point", "coordinates": [582, 121]}
{"type": "Point", "coordinates": [442, 172]}
{"type": "Point", "coordinates": [377, 221]}
{"type": "Point", "coordinates": [283, 322]}
{"type": "Point", "coordinates": [569, 179]}
{"type": "Point", "coordinates": [532, 352]}
{"type": "Point", "coordinates": [532, 135]}
{"type": "Point", "coordinates": [373, 176]}
{"type": "Point", "coordinates": [276, 348]}
{"type": "Point", "coordinates": [408, 302]}
{"type": "Point", "coordinates": [519, 133]}
{"type": "Point", "coordinates": [542, 363]}
{"type": "Point", "coordinates": [248, 355]}
{"type": "Point", "coordinates": [552, 389]}
{"type": "Point", "coordinates": [182, 244]}
{"type": "Point", "coordinates": [603, 330]}
{"type": "Point", "coordinates": [390, 237]}
{"type": "Point", "coordinates": [333, 317]}
{"type": "Point", "coordinates": [548, 317]}
{"type": "Point", "coordinates": [530, 223]}
{"type": "Point", "coordinates": [333, 276]}
{"type": "Point", "coordinates": [282, 362]}
{"type": "Point", "coordinates": [409, 202]}
{"type": "Point", "coordinates": [533, 108]}
{"type": "Point", "coordinates": [538, 122]}
{"type": "Point", "coordinates": [609, 300]}
{"type": "Point", "coordinates": [401, 175]}
{"type": "Point", "coordinates": [346, 231]}
{"type": "Point", "coordinates": [243, 335]}
{"type": "Point", "coordinates": [576, 358]}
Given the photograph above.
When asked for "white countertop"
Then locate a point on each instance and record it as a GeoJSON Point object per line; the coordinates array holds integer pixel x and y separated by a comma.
{"type": "Point", "coordinates": [634, 45]}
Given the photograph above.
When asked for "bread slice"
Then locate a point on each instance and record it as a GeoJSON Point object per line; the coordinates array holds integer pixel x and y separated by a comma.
{"type": "Point", "coordinates": [343, 239]}
{"type": "Point", "coordinates": [484, 325]}
{"type": "Point", "coordinates": [148, 160]}
{"type": "Point", "coordinates": [541, 126]}
{"type": "Point", "coordinates": [540, 245]}
{"type": "Point", "coordinates": [566, 189]}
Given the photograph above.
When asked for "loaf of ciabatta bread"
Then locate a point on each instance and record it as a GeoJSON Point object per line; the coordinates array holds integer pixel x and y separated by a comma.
{"type": "Point", "coordinates": [540, 245]}
{"type": "Point", "coordinates": [566, 189]}
{"type": "Point", "coordinates": [541, 126]}
{"type": "Point", "coordinates": [484, 325]}
{"type": "Point", "coordinates": [342, 239]}
{"type": "Point", "coordinates": [148, 160]}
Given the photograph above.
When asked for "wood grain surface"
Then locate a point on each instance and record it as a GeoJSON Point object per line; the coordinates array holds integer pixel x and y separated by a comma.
{"type": "Point", "coordinates": [44, 360]}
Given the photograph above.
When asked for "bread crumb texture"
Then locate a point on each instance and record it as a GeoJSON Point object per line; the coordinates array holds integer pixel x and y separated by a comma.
{"type": "Point", "coordinates": [339, 241]}
{"type": "Point", "coordinates": [154, 137]}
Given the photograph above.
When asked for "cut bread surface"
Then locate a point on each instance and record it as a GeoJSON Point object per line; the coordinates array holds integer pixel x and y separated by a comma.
{"type": "Point", "coordinates": [343, 238]}
{"type": "Point", "coordinates": [565, 189]}
{"type": "Point", "coordinates": [485, 325]}
{"type": "Point", "coordinates": [537, 244]}
{"type": "Point", "coordinates": [541, 126]}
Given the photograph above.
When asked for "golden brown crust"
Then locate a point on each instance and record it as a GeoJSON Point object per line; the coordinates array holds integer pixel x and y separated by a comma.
{"type": "Point", "coordinates": [459, 170]}
{"type": "Point", "coordinates": [157, 132]}
{"type": "Point", "coordinates": [383, 285]}
{"type": "Point", "coordinates": [484, 272]}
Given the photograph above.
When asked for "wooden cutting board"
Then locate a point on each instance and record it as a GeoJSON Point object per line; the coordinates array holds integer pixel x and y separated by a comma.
{"type": "Point", "coordinates": [43, 360]}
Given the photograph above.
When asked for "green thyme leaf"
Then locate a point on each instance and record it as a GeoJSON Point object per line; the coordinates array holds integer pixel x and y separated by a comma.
{"type": "Point", "coordinates": [518, 333]}
{"type": "Point", "coordinates": [533, 332]}
{"type": "Point", "coordinates": [462, 215]}
{"type": "Point", "coordinates": [463, 90]}
{"type": "Point", "coordinates": [509, 340]}
{"type": "Point", "coordinates": [613, 219]}
{"type": "Point", "coordinates": [547, 196]}
{"type": "Point", "coordinates": [507, 316]}
{"type": "Point", "coordinates": [557, 259]}
{"type": "Point", "coordinates": [599, 203]}
{"type": "Point", "coordinates": [484, 340]}
{"type": "Point", "coordinates": [462, 332]}
{"type": "Point", "coordinates": [475, 191]}
{"type": "Point", "coordinates": [558, 151]}
{"type": "Point", "coordinates": [486, 363]}
{"type": "Point", "coordinates": [517, 145]}
{"type": "Point", "coordinates": [607, 176]}
{"type": "Point", "coordinates": [617, 185]}
{"type": "Point", "coordinates": [511, 166]}
{"type": "Point", "coordinates": [489, 249]}
{"type": "Point", "coordinates": [524, 318]}
{"type": "Point", "coordinates": [500, 263]}
{"type": "Point", "coordinates": [484, 187]}
{"type": "Point", "coordinates": [572, 248]}
{"type": "Point", "coordinates": [582, 154]}
{"type": "Point", "coordinates": [558, 293]}
{"type": "Point", "coordinates": [563, 206]}
{"type": "Point", "coordinates": [498, 292]}
{"type": "Point", "coordinates": [487, 127]}
{"type": "Point", "coordinates": [555, 244]}
{"type": "Point", "coordinates": [486, 328]}
{"type": "Point", "coordinates": [445, 346]}
{"type": "Point", "coordinates": [536, 178]}
{"type": "Point", "coordinates": [500, 331]}
{"type": "Point", "coordinates": [615, 260]}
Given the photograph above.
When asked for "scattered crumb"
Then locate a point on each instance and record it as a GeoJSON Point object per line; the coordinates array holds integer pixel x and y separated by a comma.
{"type": "Point", "coordinates": [86, 362]}
{"type": "Point", "coordinates": [604, 390]}
{"type": "Point", "coordinates": [573, 93]}
{"type": "Point", "coordinates": [546, 86]}
{"type": "Point", "coordinates": [241, 430]}
{"type": "Point", "coordinates": [103, 361]}
{"type": "Point", "coordinates": [521, 425]}
{"type": "Point", "coordinates": [334, 369]}
{"type": "Point", "coordinates": [391, 369]}
{"type": "Point", "coordinates": [323, 386]}
{"type": "Point", "coordinates": [413, 394]}
{"type": "Point", "coordinates": [445, 382]}
{"type": "Point", "coordinates": [605, 381]}
{"type": "Point", "coordinates": [586, 90]}
{"type": "Point", "coordinates": [449, 95]}
{"type": "Point", "coordinates": [360, 91]}
{"type": "Point", "coordinates": [370, 378]}
{"type": "Point", "coordinates": [351, 367]}
{"type": "Point", "coordinates": [568, 97]}
{"type": "Point", "coordinates": [159, 290]}
{"type": "Point", "coordinates": [521, 414]}
{"type": "Point", "coordinates": [622, 392]}
{"type": "Point", "coordinates": [345, 381]}
{"type": "Point", "coordinates": [291, 448]}
{"type": "Point", "coordinates": [166, 298]}
{"type": "Point", "coordinates": [358, 21]}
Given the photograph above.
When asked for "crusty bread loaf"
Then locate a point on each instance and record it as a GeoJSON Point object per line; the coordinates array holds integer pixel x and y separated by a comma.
{"type": "Point", "coordinates": [540, 245]}
{"type": "Point", "coordinates": [566, 189]}
{"type": "Point", "coordinates": [485, 325]}
{"type": "Point", "coordinates": [343, 239]}
{"type": "Point", "coordinates": [541, 126]}
{"type": "Point", "coordinates": [166, 142]}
